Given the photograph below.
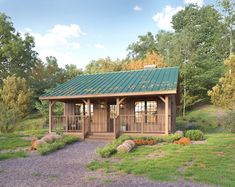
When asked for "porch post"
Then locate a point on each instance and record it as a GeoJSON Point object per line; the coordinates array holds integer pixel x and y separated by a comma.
{"type": "Point", "coordinates": [51, 103]}
{"type": "Point", "coordinates": [89, 114]}
{"type": "Point", "coordinates": [118, 106]}
{"type": "Point", "coordinates": [166, 114]}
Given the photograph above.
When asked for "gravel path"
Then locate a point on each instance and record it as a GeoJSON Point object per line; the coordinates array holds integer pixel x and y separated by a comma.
{"type": "Point", "coordinates": [67, 167]}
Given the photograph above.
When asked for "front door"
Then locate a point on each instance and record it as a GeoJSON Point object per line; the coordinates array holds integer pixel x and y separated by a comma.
{"type": "Point", "coordinates": [111, 115]}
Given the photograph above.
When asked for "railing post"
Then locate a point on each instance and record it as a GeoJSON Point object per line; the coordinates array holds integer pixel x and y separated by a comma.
{"type": "Point", "coordinates": [114, 128]}
{"type": "Point", "coordinates": [142, 124]}
{"type": "Point", "coordinates": [67, 123]}
{"type": "Point", "coordinates": [83, 128]}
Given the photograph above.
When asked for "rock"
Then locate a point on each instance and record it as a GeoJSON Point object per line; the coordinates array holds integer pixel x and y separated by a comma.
{"type": "Point", "coordinates": [131, 142]}
{"type": "Point", "coordinates": [179, 132]}
{"type": "Point", "coordinates": [39, 142]}
{"type": "Point", "coordinates": [126, 146]}
{"type": "Point", "coordinates": [56, 137]}
{"type": "Point", "coordinates": [48, 138]}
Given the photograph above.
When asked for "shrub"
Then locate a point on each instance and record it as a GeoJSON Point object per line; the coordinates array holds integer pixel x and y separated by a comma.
{"type": "Point", "coordinates": [172, 137]}
{"type": "Point", "coordinates": [194, 135]}
{"type": "Point", "coordinates": [47, 148]}
{"type": "Point", "coordinates": [111, 148]}
{"type": "Point", "coordinates": [229, 121]}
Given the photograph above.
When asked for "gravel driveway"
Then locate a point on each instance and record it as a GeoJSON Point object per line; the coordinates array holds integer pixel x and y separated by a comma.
{"type": "Point", "coordinates": [67, 167]}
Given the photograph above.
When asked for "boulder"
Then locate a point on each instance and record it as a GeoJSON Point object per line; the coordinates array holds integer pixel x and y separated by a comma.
{"type": "Point", "coordinates": [56, 137]}
{"type": "Point", "coordinates": [126, 146]}
{"type": "Point", "coordinates": [179, 132]}
{"type": "Point", "coordinates": [48, 138]}
{"type": "Point", "coordinates": [39, 142]}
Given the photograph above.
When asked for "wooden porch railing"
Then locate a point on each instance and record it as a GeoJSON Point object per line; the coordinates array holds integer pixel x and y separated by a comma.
{"type": "Point", "coordinates": [142, 123]}
{"type": "Point", "coordinates": [68, 123]}
{"type": "Point", "coordinates": [121, 124]}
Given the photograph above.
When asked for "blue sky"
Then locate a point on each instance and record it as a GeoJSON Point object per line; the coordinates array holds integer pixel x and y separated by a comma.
{"type": "Point", "coordinates": [76, 31]}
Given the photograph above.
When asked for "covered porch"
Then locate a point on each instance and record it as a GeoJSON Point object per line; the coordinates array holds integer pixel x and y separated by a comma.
{"type": "Point", "coordinates": [113, 116]}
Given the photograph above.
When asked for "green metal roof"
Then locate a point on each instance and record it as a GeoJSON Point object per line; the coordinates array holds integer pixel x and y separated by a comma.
{"type": "Point", "coordinates": [147, 80]}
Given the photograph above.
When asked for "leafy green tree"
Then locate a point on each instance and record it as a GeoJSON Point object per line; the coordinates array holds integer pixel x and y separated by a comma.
{"type": "Point", "coordinates": [103, 65]}
{"type": "Point", "coordinates": [71, 71]}
{"type": "Point", "coordinates": [146, 43]}
{"type": "Point", "coordinates": [16, 54]}
{"type": "Point", "coordinates": [16, 95]}
{"type": "Point", "coordinates": [223, 94]}
{"type": "Point", "coordinates": [198, 48]}
{"type": "Point", "coordinates": [46, 75]}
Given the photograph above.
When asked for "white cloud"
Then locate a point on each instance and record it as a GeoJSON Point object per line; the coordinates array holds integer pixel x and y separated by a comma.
{"type": "Point", "coordinates": [61, 41]}
{"type": "Point", "coordinates": [163, 18]}
{"type": "Point", "coordinates": [99, 46]}
{"type": "Point", "coordinates": [137, 8]}
{"type": "Point", "coordinates": [197, 2]}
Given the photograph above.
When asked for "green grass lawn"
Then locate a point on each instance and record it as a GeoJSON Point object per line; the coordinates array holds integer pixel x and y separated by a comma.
{"type": "Point", "coordinates": [13, 141]}
{"type": "Point", "coordinates": [212, 162]}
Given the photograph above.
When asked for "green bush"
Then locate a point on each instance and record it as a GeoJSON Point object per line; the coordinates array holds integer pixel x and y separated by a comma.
{"type": "Point", "coordinates": [194, 135]}
{"type": "Point", "coordinates": [172, 137]}
{"type": "Point", "coordinates": [110, 148]}
{"type": "Point", "coordinates": [47, 148]}
{"type": "Point", "coordinates": [157, 138]}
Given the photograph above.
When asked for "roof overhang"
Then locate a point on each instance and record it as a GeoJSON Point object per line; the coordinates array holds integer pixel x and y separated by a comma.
{"type": "Point", "coordinates": [163, 92]}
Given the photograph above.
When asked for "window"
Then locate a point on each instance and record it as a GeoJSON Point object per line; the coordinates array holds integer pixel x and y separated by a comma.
{"type": "Point", "coordinates": [113, 111]}
{"type": "Point", "coordinates": [148, 109]}
{"type": "Point", "coordinates": [79, 110]}
{"type": "Point", "coordinates": [139, 111]}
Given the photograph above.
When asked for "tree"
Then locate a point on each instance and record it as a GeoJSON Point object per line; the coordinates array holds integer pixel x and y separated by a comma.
{"type": "Point", "coordinates": [223, 94]}
{"type": "Point", "coordinates": [146, 43]}
{"type": "Point", "coordinates": [71, 71]}
{"type": "Point", "coordinates": [46, 75]}
{"type": "Point", "coordinates": [198, 48]}
{"type": "Point", "coordinates": [9, 119]}
{"type": "Point", "coordinates": [103, 65]}
{"type": "Point", "coordinates": [16, 54]}
{"type": "Point", "coordinates": [228, 7]}
{"type": "Point", "coordinates": [16, 95]}
{"type": "Point", "coordinates": [151, 58]}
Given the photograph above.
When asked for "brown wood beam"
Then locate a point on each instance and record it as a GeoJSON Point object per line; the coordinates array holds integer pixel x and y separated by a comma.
{"type": "Point", "coordinates": [51, 103]}
{"type": "Point", "coordinates": [162, 99]}
{"type": "Point", "coordinates": [118, 105]}
{"type": "Point", "coordinates": [89, 114]}
{"type": "Point", "coordinates": [111, 95]}
{"type": "Point", "coordinates": [166, 114]}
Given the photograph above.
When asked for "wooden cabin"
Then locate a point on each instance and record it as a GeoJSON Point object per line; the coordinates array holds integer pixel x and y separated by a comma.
{"type": "Point", "coordinates": [138, 102]}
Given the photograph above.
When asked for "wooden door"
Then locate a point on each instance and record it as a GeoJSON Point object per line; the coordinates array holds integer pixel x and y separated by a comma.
{"type": "Point", "coordinates": [111, 115]}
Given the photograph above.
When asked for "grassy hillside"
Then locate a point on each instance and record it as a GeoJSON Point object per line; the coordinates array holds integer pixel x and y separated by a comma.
{"type": "Point", "coordinates": [206, 118]}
